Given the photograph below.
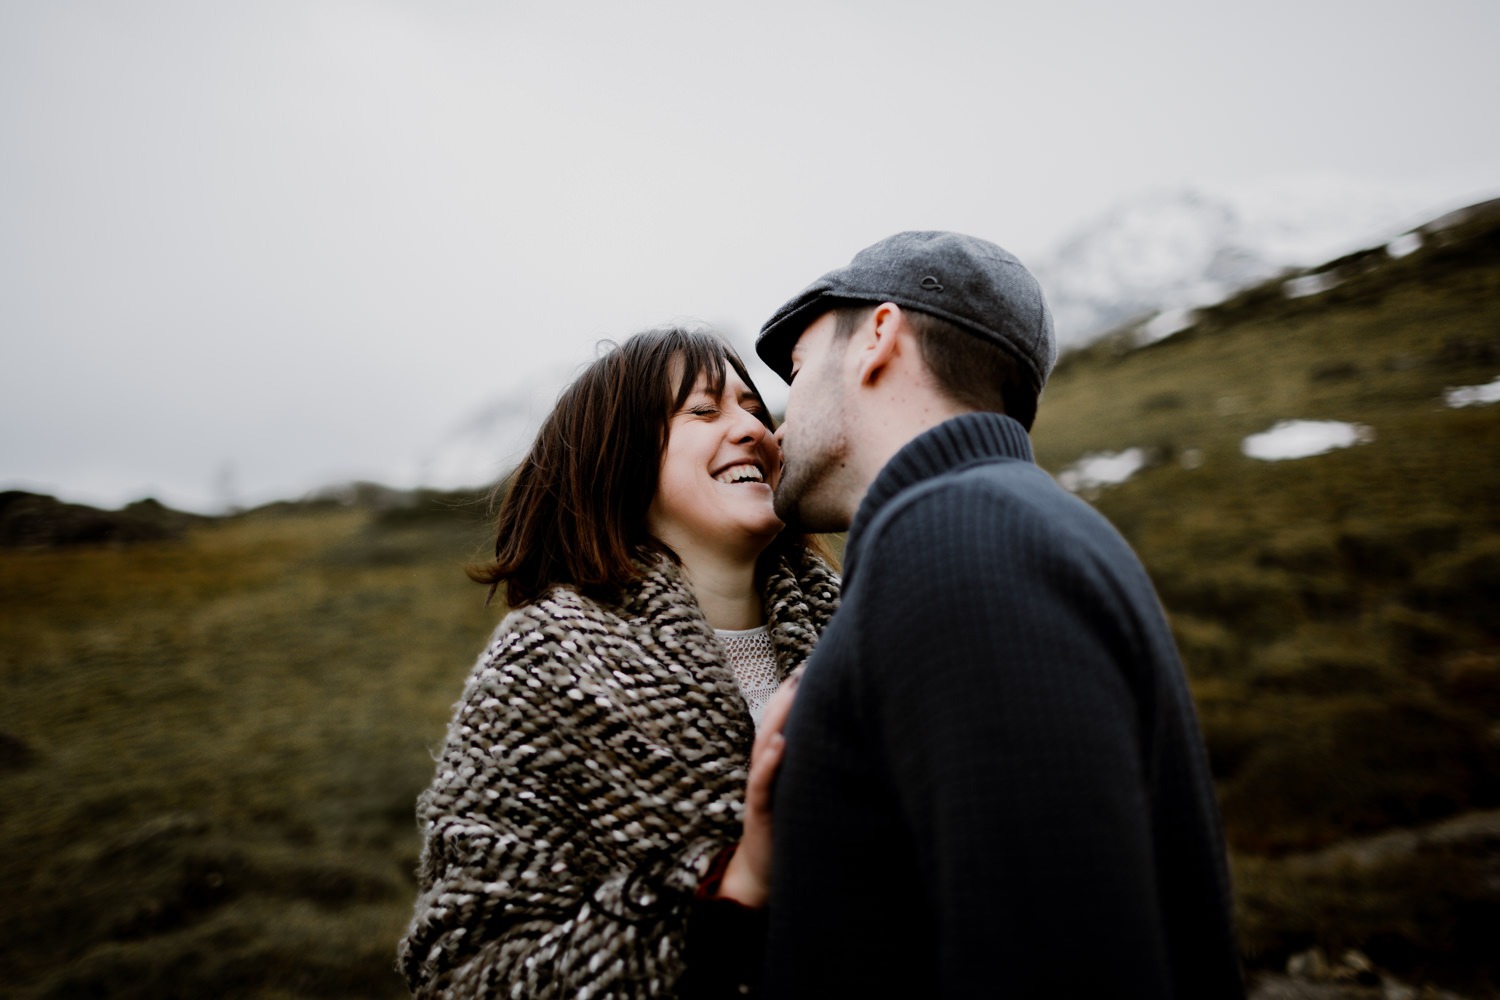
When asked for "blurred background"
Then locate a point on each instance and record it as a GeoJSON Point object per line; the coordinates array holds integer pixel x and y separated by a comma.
{"type": "Point", "coordinates": [285, 287]}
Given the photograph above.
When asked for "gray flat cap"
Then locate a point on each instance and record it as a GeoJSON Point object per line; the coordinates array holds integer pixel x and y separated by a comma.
{"type": "Point", "coordinates": [968, 281]}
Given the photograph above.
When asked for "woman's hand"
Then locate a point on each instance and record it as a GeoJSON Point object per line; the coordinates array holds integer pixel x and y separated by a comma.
{"type": "Point", "coordinates": [747, 877]}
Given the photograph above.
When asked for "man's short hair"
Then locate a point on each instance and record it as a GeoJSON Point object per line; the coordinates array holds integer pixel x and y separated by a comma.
{"type": "Point", "coordinates": [968, 370]}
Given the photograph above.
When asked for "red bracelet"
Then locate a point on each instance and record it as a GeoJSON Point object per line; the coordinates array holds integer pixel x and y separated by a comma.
{"type": "Point", "coordinates": [714, 877]}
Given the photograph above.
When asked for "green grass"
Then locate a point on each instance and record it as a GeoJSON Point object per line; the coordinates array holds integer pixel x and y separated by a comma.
{"type": "Point", "coordinates": [221, 742]}
{"type": "Point", "coordinates": [210, 748]}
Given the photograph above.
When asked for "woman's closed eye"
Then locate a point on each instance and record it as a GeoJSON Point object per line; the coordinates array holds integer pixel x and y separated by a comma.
{"type": "Point", "coordinates": [749, 404]}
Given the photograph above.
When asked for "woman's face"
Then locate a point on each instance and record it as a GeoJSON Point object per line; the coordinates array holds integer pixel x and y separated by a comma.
{"type": "Point", "coordinates": [717, 474]}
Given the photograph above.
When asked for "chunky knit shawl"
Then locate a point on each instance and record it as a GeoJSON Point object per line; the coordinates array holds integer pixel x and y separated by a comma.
{"type": "Point", "coordinates": [594, 766]}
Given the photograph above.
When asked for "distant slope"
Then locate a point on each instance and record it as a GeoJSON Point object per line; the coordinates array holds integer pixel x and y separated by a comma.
{"type": "Point", "coordinates": [29, 520]}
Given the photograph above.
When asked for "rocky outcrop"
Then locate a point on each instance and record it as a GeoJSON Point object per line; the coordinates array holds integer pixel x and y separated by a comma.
{"type": "Point", "coordinates": [1312, 975]}
{"type": "Point", "coordinates": [1422, 904]}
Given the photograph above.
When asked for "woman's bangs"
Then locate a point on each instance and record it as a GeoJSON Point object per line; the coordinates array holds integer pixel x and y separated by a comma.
{"type": "Point", "coordinates": [702, 357]}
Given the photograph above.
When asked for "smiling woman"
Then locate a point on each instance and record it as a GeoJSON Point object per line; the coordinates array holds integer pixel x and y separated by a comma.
{"type": "Point", "coordinates": [713, 499]}
{"type": "Point", "coordinates": [599, 823]}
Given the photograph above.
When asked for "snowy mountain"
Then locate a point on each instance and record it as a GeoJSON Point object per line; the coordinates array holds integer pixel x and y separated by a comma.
{"type": "Point", "coordinates": [1170, 251]}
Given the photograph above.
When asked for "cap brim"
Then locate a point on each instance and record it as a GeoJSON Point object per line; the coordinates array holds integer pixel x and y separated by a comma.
{"type": "Point", "coordinates": [781, 332]}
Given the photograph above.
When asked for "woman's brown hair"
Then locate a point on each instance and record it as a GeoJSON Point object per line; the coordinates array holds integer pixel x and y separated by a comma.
{"type": "Point", "coordinates": [574, 510]}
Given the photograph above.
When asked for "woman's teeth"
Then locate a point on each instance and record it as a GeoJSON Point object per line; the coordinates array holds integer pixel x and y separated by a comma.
{"type": "Point", "coordinates": [740, 474]}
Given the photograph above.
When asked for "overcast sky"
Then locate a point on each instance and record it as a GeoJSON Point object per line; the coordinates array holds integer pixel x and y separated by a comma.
{"type": "Point", "coordinates": [250, 247]}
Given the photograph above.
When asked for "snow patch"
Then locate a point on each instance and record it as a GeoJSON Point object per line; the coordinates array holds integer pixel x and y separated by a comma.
{"type": "Point", "coordinates": [1304, 438]}
{"type": "Point", "coordinates": [1102, 468]}
{"type": "Point", "coordinates": [1472, 395]}
{"type": "Point", "coordinates": [1406, 243]}
{"type": "Point", "coordinates": [1165, 324]}
{"type": "Point", "coordinates": [1309, 284]}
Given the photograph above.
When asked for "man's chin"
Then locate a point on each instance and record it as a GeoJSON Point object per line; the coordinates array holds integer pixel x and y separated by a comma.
{"type": "Point", "coordinates": [788, 507]}
{"type": "Point", "coordinates": [803, 517]}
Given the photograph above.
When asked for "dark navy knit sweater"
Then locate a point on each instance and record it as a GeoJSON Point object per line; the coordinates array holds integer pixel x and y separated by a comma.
{"type": "Point", "coordinates": [994, 782]}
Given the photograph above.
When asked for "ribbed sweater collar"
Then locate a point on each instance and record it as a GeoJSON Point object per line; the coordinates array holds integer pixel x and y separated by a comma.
{"type": "Point", "coordinates": [950, 445]}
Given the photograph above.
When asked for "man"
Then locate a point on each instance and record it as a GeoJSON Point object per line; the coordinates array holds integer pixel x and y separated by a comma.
{"type": "Point", "coordinates": [993, 782]}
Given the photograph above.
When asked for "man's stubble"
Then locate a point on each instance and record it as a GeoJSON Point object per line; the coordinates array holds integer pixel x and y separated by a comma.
{"type": "Point", "coordinates": [815, 458]}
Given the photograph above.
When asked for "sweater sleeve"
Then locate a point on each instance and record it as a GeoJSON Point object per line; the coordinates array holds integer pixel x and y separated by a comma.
{"type": "Point", "coordinates": [1001, 690]}
{"type": "Point", "coordinates": [726, 942]}
{"type": "Point", "coordinates": [562, 845]}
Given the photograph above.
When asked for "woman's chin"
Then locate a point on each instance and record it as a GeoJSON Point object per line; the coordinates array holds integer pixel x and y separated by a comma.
{"type": "Point", "coordinates": [765, 519]}
{"type": "Point", "coordinates": [766, 533]}
{"type": "Point", "coordinates": [757, 528]}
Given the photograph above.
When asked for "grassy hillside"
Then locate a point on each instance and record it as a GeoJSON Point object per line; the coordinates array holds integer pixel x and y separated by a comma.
{"type": "Point", "coordinates": [209, 752]}
{"type": "Point", "coordinates": [1339, 614]}
{"type": "Point", "coordinates": [210, 746]}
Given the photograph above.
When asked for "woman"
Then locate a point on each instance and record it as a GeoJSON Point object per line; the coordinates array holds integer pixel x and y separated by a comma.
{"type": "Point", "coordinates": [590, 830]}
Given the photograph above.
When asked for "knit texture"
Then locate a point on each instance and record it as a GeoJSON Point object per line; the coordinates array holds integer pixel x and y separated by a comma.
{"type": "Point", "coordinates": [593, 768]}
{"type": "Point", "coordinates": [753, 660]}
{"type": "Point", "coordinates": [994, 782]}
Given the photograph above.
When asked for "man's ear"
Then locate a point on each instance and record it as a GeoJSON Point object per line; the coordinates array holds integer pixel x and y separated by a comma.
{"type": "Point", "coordinates": [883, 342]}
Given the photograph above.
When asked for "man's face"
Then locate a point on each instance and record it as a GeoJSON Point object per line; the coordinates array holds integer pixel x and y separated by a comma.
{"type": "Point", "coordinates": [814, 494]}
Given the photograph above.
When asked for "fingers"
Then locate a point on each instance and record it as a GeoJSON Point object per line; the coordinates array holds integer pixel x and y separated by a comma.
{"type": "Point", "coordinates": [773, 717]}
{"type": "Point", "coordinates": [749, 872]}
{"type": "Point", "coordinates": [763, 766]}
{"type": "Point", "coordinates": [767, 751]}
{"type": "Point", "coordinates": [770, 744]}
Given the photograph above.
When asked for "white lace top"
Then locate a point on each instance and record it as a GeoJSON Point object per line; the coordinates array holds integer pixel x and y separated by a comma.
{"type": "Point", "coordinates": [754, 661]}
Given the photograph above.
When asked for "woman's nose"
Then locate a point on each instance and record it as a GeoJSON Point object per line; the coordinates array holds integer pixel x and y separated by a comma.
{"type": "Point", "coordinates": [748, 427]}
